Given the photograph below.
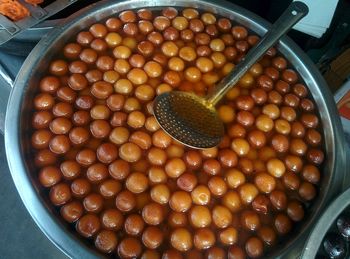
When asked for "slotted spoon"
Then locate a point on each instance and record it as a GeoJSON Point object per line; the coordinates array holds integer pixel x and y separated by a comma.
{"type": "Point", "coordinates": [193, 120]}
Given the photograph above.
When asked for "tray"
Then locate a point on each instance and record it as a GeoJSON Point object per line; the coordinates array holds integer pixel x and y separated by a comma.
{"type": "Point", "coordinates": [9, 29]}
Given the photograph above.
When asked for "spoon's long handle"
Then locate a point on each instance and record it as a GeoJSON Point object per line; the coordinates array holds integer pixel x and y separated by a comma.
{"type": "Point", "coordinates": [294, 12]}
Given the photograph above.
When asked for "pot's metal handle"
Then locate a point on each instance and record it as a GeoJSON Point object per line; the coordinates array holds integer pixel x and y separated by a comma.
{"type": "Point", "coordinates": [6, 84]}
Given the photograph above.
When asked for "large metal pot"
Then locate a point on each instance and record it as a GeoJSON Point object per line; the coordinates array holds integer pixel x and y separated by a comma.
{"type": "Point", "coordinates": [20, 107]}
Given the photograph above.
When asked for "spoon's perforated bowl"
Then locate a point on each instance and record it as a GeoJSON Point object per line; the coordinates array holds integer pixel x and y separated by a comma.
{"type": "Point", "coordinates": [188, 119]}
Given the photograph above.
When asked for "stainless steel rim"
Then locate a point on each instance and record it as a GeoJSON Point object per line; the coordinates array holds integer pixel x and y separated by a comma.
{"type": "Point", "coordinates": [334, 175]}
